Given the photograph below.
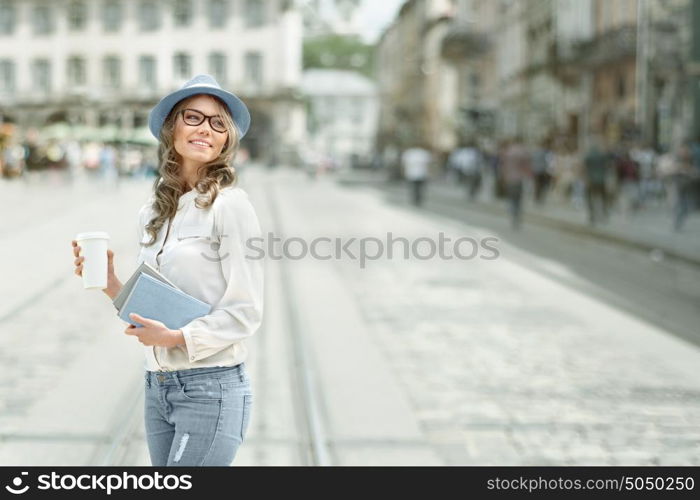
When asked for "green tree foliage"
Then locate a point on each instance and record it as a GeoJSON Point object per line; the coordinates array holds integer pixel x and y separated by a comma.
{"type": "Point", "coordinates": [339, 52]}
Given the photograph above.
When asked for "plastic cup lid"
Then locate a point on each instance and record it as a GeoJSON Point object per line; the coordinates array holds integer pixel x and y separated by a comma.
{"type": "Point", "coordinates": [93, 235]}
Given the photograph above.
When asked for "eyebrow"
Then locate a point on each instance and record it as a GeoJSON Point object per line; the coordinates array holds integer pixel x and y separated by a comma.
{"type": "Point", "coordinates": [195, 109]}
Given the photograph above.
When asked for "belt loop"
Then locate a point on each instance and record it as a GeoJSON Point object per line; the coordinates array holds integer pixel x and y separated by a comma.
{"type": "Point", "coordinates": [148, 379]}
{"type": "Point", "coordinates": [176, 379]}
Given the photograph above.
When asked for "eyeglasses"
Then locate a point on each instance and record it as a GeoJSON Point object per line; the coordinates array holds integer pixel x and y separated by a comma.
{"type": "Point", "coordinates": [193, 118]}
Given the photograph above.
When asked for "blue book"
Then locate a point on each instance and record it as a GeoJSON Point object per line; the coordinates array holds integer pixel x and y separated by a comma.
{"type": "Point", "coordinates": [129, 285]}
{"type": "Point", "coordinates": [154, 299]}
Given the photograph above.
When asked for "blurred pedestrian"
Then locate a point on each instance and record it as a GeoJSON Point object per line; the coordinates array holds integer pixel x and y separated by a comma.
{"type": "Point", "coordinates": [627, 171]}
{"type": "Point", "coordinates": [499, 185]}
{"type": "Point", "coordinates": [134, 162]}
{"type": "Point", "coordinates": [198, 394]}
{"type": "Point", "coordinates": [685, 178]}
{"type": "Point", "coordinates": [489, 168]}
{"type": "Point", "coordinates": [694, 153]}
{"type": "Point", "coordinates": [36, 162]}
{"type": "Point", "coordinates": [467, 160]}
{"type": "Point", "coordinates": [563, 171]}
{"type": "Point", "coordinates": [91, 159]}
{"type": "Point", "coordinates": [391, 159]}
{"type": "Point", "coordinates": [13, 160]}
{"type": "Point", "coordinates": [597, 165]}
{"type": "Point", "coordinates": [416, 164]}
{"type": "Point", "coordinates": [516, 168]}
{"type": "Point", "coordinates": [650, 189]}
{"type": "Point", "coordinates": [541, 171]}
{"type": "Point", "coordinates": [108, 164]}
{"type": "Point", "coordinates": [73, 156]}
{"type": "Point", "coordinates": [666, 168]}
{"type": "Point", "coordinates": [242, 158]}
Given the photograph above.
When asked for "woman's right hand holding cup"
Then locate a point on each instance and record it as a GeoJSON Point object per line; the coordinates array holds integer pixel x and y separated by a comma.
{"type": "Point", "coordinates": [78, 262]}
{"type": "Point", "coordinates": [113, 283]}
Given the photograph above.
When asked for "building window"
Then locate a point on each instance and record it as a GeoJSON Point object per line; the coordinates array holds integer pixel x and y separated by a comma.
{"type": "Point", "coordinates": [218, 13]}
{"type": "Point", "coordinates": [149, 20]}
{"type": "Point", "coordinates": [140, 120]}
{"type": "Point", "coordinates": [112, 15]}
{"type": "Point", "coordinates": [621, 86]}
{"type": "Point", "coordinates": [183, 66]}
{"type": "Point", "coordinates": [217, 67]}
{"type": "Point", "coordinates": [41, 75]}
{"type": "Point", "coordinates": [254, 13]}
{"type": "Point", "coordinates": [111, 71]}
{"type": "Point", "coordinates": [147, 72]}
{"type": "Point", "coordinates": [357, 109]}
{"type": "Point", "coordinates": [253, 68]}
{"type": "Point", "coordinates": [77, 16]}
{"type": "Point", "coordinates": [183, 12]}
{"type": "Point", "coordinates": [7, 76]}
{"type": "Point", "coordinates": [42, 19]}
{"type": "Point", "coordinates": [104, 118]}
{"type": "Point", "coordinates": [76, 71]}
{"type": "Point", "coordinates": [7, 17]}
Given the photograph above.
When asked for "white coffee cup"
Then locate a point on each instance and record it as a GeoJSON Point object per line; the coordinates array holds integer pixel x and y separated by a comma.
{"type": "Point", "coordinates": [93, 246]}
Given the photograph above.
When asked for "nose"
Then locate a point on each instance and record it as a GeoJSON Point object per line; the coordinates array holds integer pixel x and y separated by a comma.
{"type": "Point", "coordinates": [204, 127]}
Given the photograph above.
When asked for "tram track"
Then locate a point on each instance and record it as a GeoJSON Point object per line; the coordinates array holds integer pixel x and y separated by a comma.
{"type": "Point", "coordinates": [314, 443]}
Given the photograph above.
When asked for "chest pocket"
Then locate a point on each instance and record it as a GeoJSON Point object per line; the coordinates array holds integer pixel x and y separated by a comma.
{"type": "Point", "coordinates": [192, 231]}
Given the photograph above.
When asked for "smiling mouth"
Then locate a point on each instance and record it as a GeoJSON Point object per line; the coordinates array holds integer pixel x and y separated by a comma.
{"type": "Point", "coordinates": [200, 145]}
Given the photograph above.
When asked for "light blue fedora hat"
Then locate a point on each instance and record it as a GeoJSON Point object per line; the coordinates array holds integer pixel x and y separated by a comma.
{"type": "Point", "coordinates": [200, 84]}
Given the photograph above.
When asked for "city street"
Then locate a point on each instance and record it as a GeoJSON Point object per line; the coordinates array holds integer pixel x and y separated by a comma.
{"type": "Point", "coordinates": [639, 280]}
{"type": "Point", "coordinates": [562, 350]}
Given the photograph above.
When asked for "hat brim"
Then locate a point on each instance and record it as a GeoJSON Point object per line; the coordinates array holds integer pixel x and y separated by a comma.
{"type": "Point", "coordinates": [239, 111]}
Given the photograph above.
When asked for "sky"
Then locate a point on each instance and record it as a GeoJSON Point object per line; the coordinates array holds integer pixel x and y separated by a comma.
{"type": "Point", "coordinates": [376, 15]}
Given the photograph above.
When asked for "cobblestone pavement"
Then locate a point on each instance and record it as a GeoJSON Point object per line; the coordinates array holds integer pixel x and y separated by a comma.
{"type": "Point", "coordinates": [50, 325]}
{"type": "Point", "coordinates": [504, 365]}
{"type": "Point", "coordinates": [501, 363]}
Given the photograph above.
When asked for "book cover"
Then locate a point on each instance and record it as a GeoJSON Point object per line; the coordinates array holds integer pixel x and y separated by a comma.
{"type": "Point", "coordinates": [126, 288]}
{"type": "Point", "coordinates": [154, 299]}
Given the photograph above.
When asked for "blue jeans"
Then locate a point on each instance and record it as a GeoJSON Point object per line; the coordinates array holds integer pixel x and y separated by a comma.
{"type": "Point", "coordinates": [197, 417]}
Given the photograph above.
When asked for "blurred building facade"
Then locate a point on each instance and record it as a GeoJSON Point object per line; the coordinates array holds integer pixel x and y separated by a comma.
{"type": "Point", "coordinates": [106, 63]}
{"type": "Point", "coordinates": [417, 87]}
{"type": "Point", "coordinates": [324, 17]}
{"type": "Point", "coordinates": [342, 114]}
{"type": "Point", "coordinates": [544, 70]}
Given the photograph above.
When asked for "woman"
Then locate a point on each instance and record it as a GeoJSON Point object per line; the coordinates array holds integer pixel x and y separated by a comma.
{"type": "Point", "coordinates": [194, 230]}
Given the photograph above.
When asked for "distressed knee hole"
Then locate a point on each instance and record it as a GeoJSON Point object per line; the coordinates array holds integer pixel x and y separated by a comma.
{"type": "Point", "coordinates": [181, 448]}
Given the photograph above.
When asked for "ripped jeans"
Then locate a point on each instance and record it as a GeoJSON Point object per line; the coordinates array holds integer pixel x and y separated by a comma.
{"type": "Point", "coordinates": [197, 417]}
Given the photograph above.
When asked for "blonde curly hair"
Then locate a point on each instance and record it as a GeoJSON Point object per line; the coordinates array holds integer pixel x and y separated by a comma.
{"type": "Point", "coordinates": [169, 184]}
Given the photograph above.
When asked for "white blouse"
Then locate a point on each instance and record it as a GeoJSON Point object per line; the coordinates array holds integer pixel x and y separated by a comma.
{"type": "Point", "coordinates": [203, 252]}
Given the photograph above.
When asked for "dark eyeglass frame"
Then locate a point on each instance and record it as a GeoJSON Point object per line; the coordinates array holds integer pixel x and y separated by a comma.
{"type": "Point", "coordinates": [203, 116]}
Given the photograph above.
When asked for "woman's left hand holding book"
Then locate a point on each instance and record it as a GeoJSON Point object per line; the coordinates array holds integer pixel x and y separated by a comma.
{"type": "Point", "coordinates": [154, 332]}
